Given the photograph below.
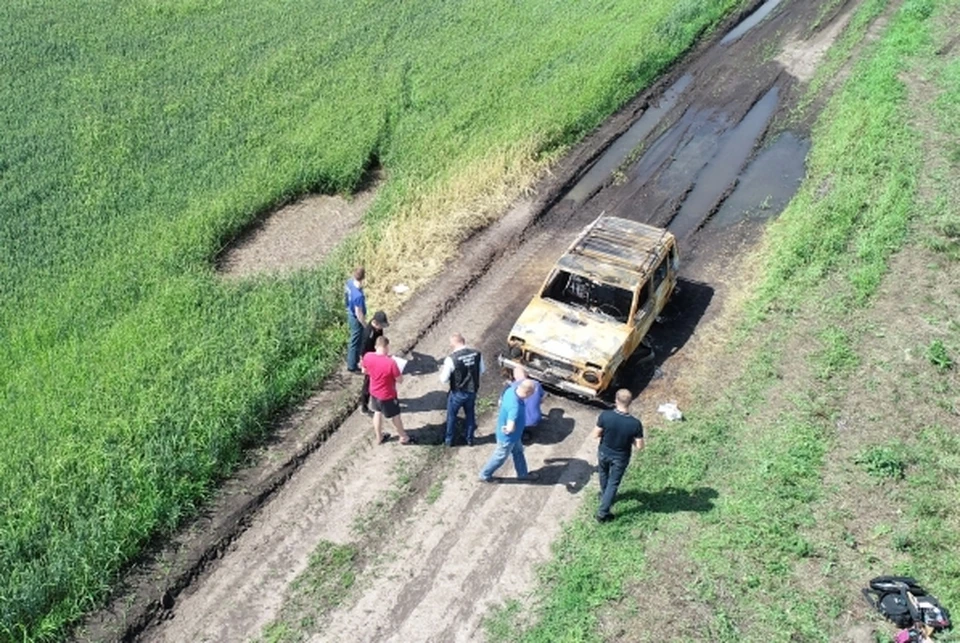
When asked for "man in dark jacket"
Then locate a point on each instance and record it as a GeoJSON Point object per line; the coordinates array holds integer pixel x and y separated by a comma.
{"type": "Point", "coordinates": [368, 343]}
{"type": "Point", "coordinates": [462, 370]}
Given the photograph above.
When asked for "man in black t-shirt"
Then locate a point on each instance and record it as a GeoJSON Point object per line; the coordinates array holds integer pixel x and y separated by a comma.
{"type": "Point", "coordinates": [619, 433]}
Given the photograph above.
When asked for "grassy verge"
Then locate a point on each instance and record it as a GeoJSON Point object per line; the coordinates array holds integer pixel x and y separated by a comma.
{"type": "Point", "coordinates": [839, 54]}
{"type": "Point", "coordinates": [760, 517]}
{"type": "Point", "coordinates": [134, 147]}
{"type": "Point", "coordinates": [330, 574]}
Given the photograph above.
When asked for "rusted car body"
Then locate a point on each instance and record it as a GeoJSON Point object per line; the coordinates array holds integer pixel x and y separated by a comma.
{"type": "Point", "coordinates": [596, 306]}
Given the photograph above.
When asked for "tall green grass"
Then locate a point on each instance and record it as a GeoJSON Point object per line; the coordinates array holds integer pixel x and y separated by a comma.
{"type": "Point", "coordinates": [138, 136]}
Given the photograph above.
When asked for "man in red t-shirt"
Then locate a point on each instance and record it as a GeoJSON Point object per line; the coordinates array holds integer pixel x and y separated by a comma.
{"type": "Point", "coordinates": [384, 377]}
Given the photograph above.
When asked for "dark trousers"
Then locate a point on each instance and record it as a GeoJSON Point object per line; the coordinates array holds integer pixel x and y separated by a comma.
{"type": "Point", "coordinates": [611, 466]}
{"type": "Point", "coordinates": [365, 392]}
{"type": "Point", "coordinates": [356, 338]}
{"type": "Point", "coordinates": [468, 401]}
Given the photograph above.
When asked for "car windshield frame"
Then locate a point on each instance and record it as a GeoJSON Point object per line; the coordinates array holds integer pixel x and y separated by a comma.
{"type": "Point", "coordinates": [585, 293]}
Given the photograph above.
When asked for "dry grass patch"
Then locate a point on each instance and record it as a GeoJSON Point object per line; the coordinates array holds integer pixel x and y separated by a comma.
{"type": "Point", "coordinates": [418, 241]}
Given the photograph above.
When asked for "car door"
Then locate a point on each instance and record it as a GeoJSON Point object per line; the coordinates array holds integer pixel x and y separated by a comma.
{"type": "Point", "coordinates": [664, 279]}
{"type": "Point", "coordinates": [642, 318]}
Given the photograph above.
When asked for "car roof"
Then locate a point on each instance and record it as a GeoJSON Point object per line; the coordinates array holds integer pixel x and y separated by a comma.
{"type": "Point", "coordinates": [616, 251]}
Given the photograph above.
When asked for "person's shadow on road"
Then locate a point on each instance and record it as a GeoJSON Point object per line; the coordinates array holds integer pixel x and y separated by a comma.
{"type": "Point", "coordinates": [420, 364]}
{"type": "Point", "coordinates": [572, 473]}
{"type": "Point", "coordinates": [431, 401]}
{"type": "Point", "coordinates": [428, 434]}
{"type": "Point", "coordinates": [553, 428]}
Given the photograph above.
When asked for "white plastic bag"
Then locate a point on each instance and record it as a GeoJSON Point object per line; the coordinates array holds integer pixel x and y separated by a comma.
{"type": "Point", "coordinates": [670, 411]}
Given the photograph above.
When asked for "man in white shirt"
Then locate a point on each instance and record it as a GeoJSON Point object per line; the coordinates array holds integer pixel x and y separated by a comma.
{"type": "Point", "coordinates": [461, 371]}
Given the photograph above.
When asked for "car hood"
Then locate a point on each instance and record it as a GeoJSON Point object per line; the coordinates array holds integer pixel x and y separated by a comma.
{"type": "Point", "coordinates": [569, 333]}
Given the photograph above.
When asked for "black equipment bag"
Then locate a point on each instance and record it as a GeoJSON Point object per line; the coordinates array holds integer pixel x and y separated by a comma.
{"type": "Point", "coordinates": [905, 602]}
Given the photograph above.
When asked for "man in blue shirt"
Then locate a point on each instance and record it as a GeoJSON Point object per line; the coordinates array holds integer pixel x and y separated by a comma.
{"type": "Point", "coordinates": [532, 405]}
{"type": "Point", "coordinates": [510, 425]}
{"type": "Point", "coordinates": [356, 304]}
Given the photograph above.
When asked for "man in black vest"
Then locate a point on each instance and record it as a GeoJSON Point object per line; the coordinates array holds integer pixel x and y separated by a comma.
{"type": "Point", "coordinates": [462, 370]}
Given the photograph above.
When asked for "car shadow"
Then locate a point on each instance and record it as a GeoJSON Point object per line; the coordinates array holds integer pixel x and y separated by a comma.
{"type": "Point", "coordinates": [669, 500]}
{"type": "Point", "coordinates": [572, 473]}
{"type": "Point", "coordinates": [676, 325]}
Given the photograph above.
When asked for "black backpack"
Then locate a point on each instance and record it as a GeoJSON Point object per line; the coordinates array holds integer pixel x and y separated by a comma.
{"type": "Point", "coordinates": [902, 600]}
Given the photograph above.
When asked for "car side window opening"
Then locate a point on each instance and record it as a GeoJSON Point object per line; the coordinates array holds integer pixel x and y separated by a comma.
{"type": "Point", "coordinates": [583, 292]}
{"type": "Point", "coordinates": [642, 299]}
{"type": "Point", "coordinates": [661, 272]}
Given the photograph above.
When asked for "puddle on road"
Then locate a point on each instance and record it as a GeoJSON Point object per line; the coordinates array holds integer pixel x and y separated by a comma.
{"type": "Point", "coordinates": [722, 170]}
{"type": "Point", "coordinates": [768, 183]}
{"type": "Point", "coordinates": [685, 149]}
{"type": "Point", "coordinates": [750, 21]}
{"type": "Point", "coordinates": [626, 142]}
{"type": "Point", "coordinates": [664, 149]}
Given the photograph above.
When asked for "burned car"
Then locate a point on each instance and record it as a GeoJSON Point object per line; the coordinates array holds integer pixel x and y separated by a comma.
{"type": "Point", "coordinates": [596, 306]}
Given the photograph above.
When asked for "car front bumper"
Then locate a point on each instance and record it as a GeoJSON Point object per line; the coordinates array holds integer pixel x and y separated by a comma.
{"type": "Point", "coordinates": [550, 379]}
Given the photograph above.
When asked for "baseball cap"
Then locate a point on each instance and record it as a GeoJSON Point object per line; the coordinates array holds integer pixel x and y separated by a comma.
{"type": "Point", "coordinates": [381, 318]}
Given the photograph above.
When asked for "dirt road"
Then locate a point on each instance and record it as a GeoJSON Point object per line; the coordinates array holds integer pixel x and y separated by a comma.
{"type": "Point", "coordinates": [436, 546]}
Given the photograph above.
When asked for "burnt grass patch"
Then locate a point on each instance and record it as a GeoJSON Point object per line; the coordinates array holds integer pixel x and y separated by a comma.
{"type": "Point", "coordinates": [296, 235]}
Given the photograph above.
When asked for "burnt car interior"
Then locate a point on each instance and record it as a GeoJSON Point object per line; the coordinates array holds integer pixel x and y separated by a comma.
{"type": "Point", "coordinates": [583, 292]}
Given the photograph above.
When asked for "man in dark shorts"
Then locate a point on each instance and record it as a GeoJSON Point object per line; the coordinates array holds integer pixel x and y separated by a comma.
{"type": "Point", "coordinates": [619, 433]}
{"type": "Point", "coordinates": [371, 332]}
{"type": "Point", "coordinates": [384, 377]}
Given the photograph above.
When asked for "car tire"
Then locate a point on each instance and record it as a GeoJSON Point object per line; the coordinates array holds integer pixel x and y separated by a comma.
{"type": "Point", "coordinates": [641, 358]}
